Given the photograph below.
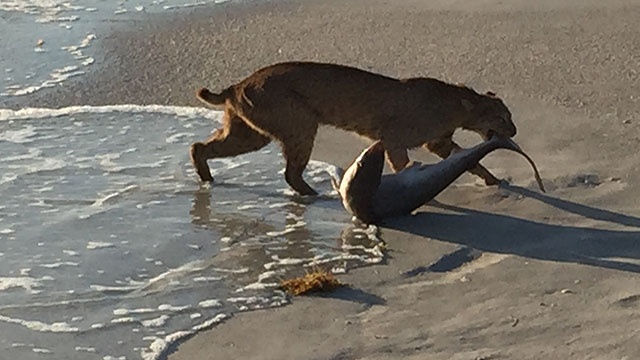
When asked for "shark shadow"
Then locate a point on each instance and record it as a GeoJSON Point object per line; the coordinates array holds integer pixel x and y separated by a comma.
{"type": "Point", "coordinates": [575, 208]}
{"type": "Point", "coordinates": [612, 249]}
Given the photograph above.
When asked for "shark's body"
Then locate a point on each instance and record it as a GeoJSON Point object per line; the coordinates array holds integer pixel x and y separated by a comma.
{"type": "Point", "coordinates": [371, 196]}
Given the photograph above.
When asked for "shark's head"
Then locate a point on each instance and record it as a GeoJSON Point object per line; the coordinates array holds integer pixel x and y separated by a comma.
{"type": "Point", "coordinates": [361, 181]}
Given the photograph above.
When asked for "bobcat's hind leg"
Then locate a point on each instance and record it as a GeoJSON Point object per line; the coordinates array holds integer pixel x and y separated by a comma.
{"type": "Point", "coordinates": [397, 157]}
{"type": "Point", "coordinates": [297, 152]}
{"type": "Point", "coordinates": [235, 138]}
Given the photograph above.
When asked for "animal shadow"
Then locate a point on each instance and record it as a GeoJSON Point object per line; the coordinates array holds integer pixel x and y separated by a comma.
{"type": "Point", "coordinates": [572, 207]}
{"type": "Point", "coordinates": [613, 249]}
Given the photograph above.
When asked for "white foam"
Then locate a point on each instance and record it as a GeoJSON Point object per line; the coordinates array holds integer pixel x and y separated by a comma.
{"type": "Point", "coordinates": [207, 278]}
{"type": "Point", "coordinates": [39, 113]}
{"type": "Point", "coordinates": [106, 160]}
{"type": "Point", "coordinates": [246, 300]}
{"type": "Point", "coordinates": [33, 7]}
{"type": "Point", "coordinates": [25, 282]}
{"type": "Point", "coordinates": [287, 230]}
{"type": "Point", "coordinates": [175, 138]}
{"type": "Point", "coordinates": [46, 164]}
{"type": "Point", "coordinates": [83, 44]}
{"type": "Point", "coordinates": [114, 195]}
{"type": "Point", "coordinates": [210, 303]}
{"type": "Point", "coordinates": [233, 271]}
{"type": "Point", "coordinates": [8, 178]}
{"type": "Point", "coordinates": [160, 345]}
{"type": "Point", "coordinates": [376, 250]}
{"type": "Point", "coordinates": [169, 307]}
{"type": "Point", "coordinates": [59, 264]}
{"type": "Point", "coordinates": [183, 6]}
{"type": "Point", "coordinates": [59, 75]}
{"type": "Point", "coordinates": [50, 19]}
{"type": "Point", "coordinates": [123, 311]}
{"type": "Point", "coordinates": [56, 77]}
{"type": "Point", "coordinates": [41, 350]}
{"type": "Point", "coordinates": [122, 320]}
{"type": "Point", "coordinates": [250, 206]}
{"type": "Point", "coordinates": [169, 276]}
{"type": "Point", "coordinates": [285, 262]}
{"type": "Point", "coordinates": [93, 245]}
{"type": "Point", "coordinates": [19, 136]}
{"type": "Point", "coordinates": [156, 322]}
{"type": "Point", "coordinates": [215, 320]}
{"type": "Point", "coordinates": [299, 223]}
{"type": "Point", "coordinates": [259, 286]}
{"type": "Point", "coordinates": [343, 257]}
{"type": "Point", "coordinates": [106, 288]}
{"type": "Point", "coordinates": [267, 275]}
{"type": "Point", "coordinates": [58, 327]}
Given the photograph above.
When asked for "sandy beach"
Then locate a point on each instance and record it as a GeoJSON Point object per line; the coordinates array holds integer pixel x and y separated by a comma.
{"type": "Point", "coordinates": [483, 272]}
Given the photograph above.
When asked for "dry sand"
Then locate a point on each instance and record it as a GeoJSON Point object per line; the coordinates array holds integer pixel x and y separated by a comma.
{"type": "Point", "coordinates": [552, 276]}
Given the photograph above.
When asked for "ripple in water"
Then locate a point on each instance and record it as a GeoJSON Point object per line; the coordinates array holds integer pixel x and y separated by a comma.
{"type": "Point", "coordinates": [111, 248]}
{"type": "Point", "coordinates": [47, 42]}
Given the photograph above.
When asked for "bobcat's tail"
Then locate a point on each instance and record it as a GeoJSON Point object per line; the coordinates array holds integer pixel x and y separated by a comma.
{"type": "Point", "coordinates": [212, 99]}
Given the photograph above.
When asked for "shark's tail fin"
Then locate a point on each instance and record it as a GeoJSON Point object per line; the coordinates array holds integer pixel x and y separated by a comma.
{"type": "Point", "coordinates": [507, 143]}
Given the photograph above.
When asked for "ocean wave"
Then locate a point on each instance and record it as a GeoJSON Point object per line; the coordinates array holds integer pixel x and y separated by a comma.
{"type": "Point", "coordinates": [136, 245]}
{"type": "Point", "coordinates": [40, 113]}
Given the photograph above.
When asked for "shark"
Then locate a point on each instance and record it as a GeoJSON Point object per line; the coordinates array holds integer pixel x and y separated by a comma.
{"type": "Point", "coordinates": [372, 197]}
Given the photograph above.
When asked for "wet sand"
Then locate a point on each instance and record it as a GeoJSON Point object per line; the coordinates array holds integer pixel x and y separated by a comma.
{"type": "Point", "coordinates": [552, 275]}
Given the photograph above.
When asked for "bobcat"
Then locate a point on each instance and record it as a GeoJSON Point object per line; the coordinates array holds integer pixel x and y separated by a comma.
{"type": "Point", "coordinates": [287, 101]}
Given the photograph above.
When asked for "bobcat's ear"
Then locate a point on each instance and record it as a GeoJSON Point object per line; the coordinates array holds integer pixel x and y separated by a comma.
{"type": "Point", "coordinates": [467, 104]}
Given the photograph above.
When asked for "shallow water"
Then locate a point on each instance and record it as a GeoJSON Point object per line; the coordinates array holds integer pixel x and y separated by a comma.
{"type": "Point", "coordinates": [47, 42]}
{"type": "Point", "coordinates": [110, 247]}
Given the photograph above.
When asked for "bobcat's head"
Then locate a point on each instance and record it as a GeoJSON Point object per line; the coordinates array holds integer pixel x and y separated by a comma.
{"type": "Point", "coordinates": [489, 116]}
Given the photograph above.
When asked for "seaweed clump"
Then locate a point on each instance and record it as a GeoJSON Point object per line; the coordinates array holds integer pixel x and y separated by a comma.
{"type": "Point", "coordinates": [318, 280]}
